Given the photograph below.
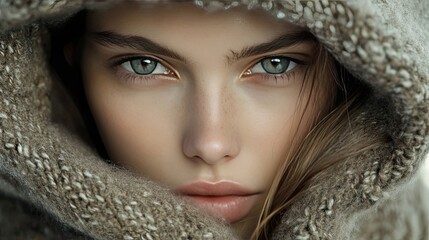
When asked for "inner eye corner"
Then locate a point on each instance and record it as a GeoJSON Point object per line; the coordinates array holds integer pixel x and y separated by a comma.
{"type": "Point", "coordinates": [248, 71]}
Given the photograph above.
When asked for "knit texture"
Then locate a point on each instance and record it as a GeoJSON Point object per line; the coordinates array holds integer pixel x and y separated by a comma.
{"type": "Point", "coordinates": [377, 195]}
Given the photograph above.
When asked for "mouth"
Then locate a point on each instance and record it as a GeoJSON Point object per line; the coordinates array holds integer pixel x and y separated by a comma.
{"type": "Point", "coordinates": [226, 200]}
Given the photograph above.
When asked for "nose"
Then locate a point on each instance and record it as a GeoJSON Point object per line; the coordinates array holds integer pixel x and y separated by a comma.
{"type": "Point", "coordinates": [210, 136]}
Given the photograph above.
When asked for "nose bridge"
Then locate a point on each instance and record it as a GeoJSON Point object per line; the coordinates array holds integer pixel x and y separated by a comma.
{"type": "Point", "coordinates": [210, 134]}
{"type": "Point", "coordinates": [211, 106]}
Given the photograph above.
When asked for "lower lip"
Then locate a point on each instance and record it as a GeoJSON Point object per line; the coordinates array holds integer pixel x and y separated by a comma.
{"type": "Point", "coordinates": [230, 208]}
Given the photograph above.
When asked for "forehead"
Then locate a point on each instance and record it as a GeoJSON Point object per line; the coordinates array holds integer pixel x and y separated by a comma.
{"type": "Point", "coordinates": [185, 18]}
{"type": "Point", "coordinates": [205, 39]}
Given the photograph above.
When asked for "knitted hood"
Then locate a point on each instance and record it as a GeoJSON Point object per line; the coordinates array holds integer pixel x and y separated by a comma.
{"type": "Point", "coordinates": [377, 195]}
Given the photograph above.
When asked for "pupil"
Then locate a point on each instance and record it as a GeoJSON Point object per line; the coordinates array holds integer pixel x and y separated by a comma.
{"type": "Point", "coordinates": [275, 62]}
{"type": "Point", "coordinates": [146, 62]}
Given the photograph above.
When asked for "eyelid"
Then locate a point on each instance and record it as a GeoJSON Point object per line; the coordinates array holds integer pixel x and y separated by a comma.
{"type": "Point", "coordinates": [260, 59]}
{"type": "Point", "coordinates": [118, 60]}
{"type": "Point", "coordinates": [298, 57]}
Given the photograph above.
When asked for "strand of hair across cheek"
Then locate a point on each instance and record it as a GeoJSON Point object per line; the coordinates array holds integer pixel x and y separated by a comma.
{"type": "Point", "coordinates": [314, 154]}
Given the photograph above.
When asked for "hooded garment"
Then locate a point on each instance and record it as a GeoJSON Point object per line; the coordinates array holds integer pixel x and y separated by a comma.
{"type": "Point", "coordinates": [55, 186]}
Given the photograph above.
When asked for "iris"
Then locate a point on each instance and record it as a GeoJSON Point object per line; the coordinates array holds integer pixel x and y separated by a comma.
{"type": "Point", "coordinates": [143, 66]}
{"type": "Point", "coordinates": [275, 65]}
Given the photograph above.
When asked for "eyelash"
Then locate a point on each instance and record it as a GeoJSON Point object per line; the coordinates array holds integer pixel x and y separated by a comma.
{"type": "Point", "coordinates": [135, 78]}
{"type": "Point", "coordinates": [278, 79]}
{"type": "Point", "coordinates": [275, 78]}
{"type": "Point", "coordinates": [148, 79]}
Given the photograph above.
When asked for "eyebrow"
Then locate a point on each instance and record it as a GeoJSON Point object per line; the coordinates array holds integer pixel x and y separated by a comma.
{"type": "Point", "coordinates": [284, 41]}
{"type": "Point", "coordinates": [109, 38]}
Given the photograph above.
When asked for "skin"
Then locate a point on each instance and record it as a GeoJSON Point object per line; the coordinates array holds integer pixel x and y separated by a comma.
{"type": "Point", "coordinates": [206, 119]}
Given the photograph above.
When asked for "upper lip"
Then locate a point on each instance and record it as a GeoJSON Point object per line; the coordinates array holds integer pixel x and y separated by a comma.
{"type": "Point", "coordinates": [221, 188]}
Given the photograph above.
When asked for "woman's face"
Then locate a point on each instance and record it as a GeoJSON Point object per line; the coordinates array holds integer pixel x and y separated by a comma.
{"type": "Point", "coordinates": [207, 103]}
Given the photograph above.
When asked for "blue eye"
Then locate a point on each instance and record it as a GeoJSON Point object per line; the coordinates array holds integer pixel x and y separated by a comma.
{"type": "Point", "coordinates": [273, 65]}
{"type": "Point", "coordinates": [145, 66]}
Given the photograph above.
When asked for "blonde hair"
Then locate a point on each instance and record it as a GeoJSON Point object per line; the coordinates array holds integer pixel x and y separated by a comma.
{"type": "Point", "coordinates": [316, 151]}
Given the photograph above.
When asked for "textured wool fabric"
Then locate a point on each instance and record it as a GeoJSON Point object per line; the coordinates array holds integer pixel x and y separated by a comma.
{"type": "Point", "coordinates": [50, 176]}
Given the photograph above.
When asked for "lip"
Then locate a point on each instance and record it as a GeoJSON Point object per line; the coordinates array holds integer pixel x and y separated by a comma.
{"type": "Point", "coordinates": [225, 199]}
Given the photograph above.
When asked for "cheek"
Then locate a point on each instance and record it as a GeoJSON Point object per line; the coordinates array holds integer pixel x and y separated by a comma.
{"type": "Point", "coordinates": [268, 123]}
{"type": "Point", "coordinates": [123, 128]}
{"type": "Point", "coordinates": [141, 142]}
{"type": "Point", "coordinates": [136, 128]}
{"type": "Point", "coordinates": [276, 125]}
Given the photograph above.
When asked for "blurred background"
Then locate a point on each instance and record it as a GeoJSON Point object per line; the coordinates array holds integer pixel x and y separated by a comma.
{"type": "Point", "coordinates": [426, 171]}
